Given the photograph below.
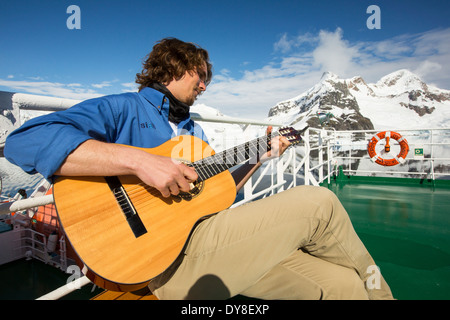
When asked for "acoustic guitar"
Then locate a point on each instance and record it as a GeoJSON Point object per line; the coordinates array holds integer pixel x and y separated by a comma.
{"type": "Point", "coordinates": [125, 233]}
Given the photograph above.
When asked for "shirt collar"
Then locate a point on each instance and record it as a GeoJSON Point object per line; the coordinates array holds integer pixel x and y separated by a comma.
{"type": "Point", "coordinates": [161, 103]}
{"type": "Point", "coordinates": [156, 99]}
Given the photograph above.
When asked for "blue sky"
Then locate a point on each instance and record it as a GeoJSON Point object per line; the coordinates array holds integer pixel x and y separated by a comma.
{"type": "Point", "coordinates": [263, 52]}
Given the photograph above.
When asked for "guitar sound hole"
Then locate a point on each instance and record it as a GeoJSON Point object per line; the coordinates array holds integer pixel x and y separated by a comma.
{"type": "Point", "coordinates": [196, 188]}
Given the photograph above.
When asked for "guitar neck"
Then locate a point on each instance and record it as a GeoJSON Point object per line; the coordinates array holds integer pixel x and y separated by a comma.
{"type": "Point", "coordinates": [224, 160]}
{"type": "Point", "coordinates": [254, 149]}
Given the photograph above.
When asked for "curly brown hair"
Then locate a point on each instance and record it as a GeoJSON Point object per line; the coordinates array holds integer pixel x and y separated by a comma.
{"type": "Point", "coordinates": [169, 59]}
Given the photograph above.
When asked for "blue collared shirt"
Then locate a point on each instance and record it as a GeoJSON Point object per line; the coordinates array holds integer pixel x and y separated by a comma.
{"type": "Point", "coordinates": [137, 119]}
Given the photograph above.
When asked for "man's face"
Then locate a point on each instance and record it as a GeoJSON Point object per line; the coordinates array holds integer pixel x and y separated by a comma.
{"type": "Point", "coordinates": [189, 86]}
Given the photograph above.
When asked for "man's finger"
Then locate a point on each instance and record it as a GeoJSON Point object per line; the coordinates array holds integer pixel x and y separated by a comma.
{"type": "Point", "coordinates": [190, 174]}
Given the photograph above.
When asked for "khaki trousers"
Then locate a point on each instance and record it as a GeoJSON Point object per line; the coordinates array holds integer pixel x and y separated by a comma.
{"type": "Point", "coordinates": [298, 244]}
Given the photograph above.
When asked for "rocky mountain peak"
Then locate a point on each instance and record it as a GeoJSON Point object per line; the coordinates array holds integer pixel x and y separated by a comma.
{"type": "Point", "coordinates": [399, 97]}
{"type": "Point", "coordinates": [330, 95]}
{"type": "Point", "coordinates": [329, 76]}
{"type": "Point", "coordinates": [401, 81]}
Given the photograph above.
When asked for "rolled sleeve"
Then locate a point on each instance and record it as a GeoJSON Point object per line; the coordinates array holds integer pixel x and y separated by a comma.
{"type": "Point", "coordinates": [43, 143]}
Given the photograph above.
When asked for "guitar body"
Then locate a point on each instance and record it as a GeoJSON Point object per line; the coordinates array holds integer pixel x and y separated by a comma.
{"type": "Point", "coordinates": [97, 228]}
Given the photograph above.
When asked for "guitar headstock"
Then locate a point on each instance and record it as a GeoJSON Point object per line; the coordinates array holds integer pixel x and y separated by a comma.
{"type": "Point", "coordinates": [293, 136]}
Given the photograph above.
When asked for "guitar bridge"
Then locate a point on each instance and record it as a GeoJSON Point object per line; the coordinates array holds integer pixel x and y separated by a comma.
{"type": "Point", "coordinates": [126, 206]}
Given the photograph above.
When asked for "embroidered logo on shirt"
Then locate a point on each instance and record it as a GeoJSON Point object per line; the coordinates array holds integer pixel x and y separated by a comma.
{"type": "Point", "coordinates": [146, 125]}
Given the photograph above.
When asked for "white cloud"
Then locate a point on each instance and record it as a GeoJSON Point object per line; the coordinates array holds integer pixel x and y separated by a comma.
{"type": "Point", "coordinates": [284, 45]}
{"type": "Point", "coordinates": [334, 53]}
{"type": "Point", "coordinates": [427, 68]}
{"type": "Point", "coordinates": [287, 44]}
{"type": "Point", "coordinates": [102, 85]}
{"type": "Point", "coordinates": [36, 78]}
{"type": "Point", "coordinates": [130, 87]}
{"type": "Point", "coordinates": [70, 91]}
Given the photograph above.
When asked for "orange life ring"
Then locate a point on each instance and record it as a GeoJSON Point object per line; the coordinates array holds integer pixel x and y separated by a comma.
{"type": "Point", "coordinates": [400, 158]}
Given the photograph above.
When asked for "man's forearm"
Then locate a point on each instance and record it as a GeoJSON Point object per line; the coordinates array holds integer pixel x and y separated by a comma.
{"type": "Point", "coordinates": [96, 158]}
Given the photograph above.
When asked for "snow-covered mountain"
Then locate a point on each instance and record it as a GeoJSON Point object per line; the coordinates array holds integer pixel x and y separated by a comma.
{"type": "Point", "coordinates": [400, 100]}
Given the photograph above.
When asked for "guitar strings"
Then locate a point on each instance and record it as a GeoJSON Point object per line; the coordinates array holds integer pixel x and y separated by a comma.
{"type": "Point", "coordinates": [210, 166]}
{"type": "Point", "coordinates": [226, 159]}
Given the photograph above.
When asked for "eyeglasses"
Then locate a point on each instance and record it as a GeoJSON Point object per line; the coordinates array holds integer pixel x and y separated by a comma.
{"type": "Point", "coordinates": [202, 76]}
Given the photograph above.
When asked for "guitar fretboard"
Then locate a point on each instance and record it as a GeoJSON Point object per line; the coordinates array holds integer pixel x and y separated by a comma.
{"type": "Point", "coordinates": [224, 160]}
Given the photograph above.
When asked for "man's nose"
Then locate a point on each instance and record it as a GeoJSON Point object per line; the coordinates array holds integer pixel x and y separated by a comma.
{"type": "Point", "coordinates": [202, 85]}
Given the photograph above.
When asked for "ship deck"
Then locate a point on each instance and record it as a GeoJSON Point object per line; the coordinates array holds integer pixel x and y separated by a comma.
{"type": "Point", "coordinates": [405, 225]}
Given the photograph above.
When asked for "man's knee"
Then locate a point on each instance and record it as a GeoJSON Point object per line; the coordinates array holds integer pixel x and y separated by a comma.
{"type": "Point", "coordinates": [319, 200]}
{"type": "Point", "coordinates": [313, 193]}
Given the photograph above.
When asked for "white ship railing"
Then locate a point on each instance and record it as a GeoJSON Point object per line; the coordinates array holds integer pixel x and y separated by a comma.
{"type": "Point", "coordinates": [349, 150]}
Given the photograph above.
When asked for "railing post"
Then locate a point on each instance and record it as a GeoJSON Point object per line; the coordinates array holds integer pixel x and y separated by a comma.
{"type": "Point", "coordinates": [307, 158]}
{"type": "Point", "coordinates": [248, 189]}
{"type": "Point", "coordinates": [432, 155]}
{"type": "Point", "coordinates": [320, 142]}
{"type": "Point", "coordinates": [329, 159]}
